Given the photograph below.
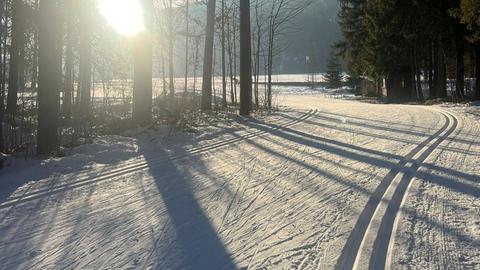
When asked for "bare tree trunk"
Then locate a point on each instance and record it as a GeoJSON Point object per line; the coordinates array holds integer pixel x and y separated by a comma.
{"type": "Point", "coordinates": [477, 70]}
{"type": "Point", "coordinates": [224, 78]}
{"type": "Point", "coordinates": [142, 82]}
{"type": "Point", "coordinates": [187, 14]}
{"type": "Point", "coordinates": [3, 51]}
{"type": "Point", "coordinates": [230, 62]}
{"type": "Point", "coordinates": [442, 72]}
{"type": "Point", "coordinates": [430, 69]}
{"type": "Point", "coordinates": [270, 71]}
{"type": "Point", "coordinates": [436, 64]}
{"type": "Point", "coordinates": [34, 82]}
{"type": "Point", "coordinates": [164, 74]}
{"type": "Point", "coordinates": [208, 58]}
{"type": "Point", "coordinates": [257, 57]}
{"type": "Point", "coordinates": [413, 92]}
{"type": "Point", "coordinates": [2, 73]}
{"type": "Point", "coordinates": [245, 59]}
{"type": "Point", "coordinates": [60, 28]}
{"type": "Point", "coordinates": [460, 66]}
{"type": "Point", "coordinates": [170, 51]}
{"type": "Point", "coordinates": [235, 61]}
{"type": "Point", "coordinates": [48, 95]}
{"type": "Point", "coordinates": [85, 73]}
{"type": "Point", "coordinates": [195, 67]}
{"type": "Point", "coordinates": [419, 92]}
{"type": "Point", "coordinates": [69, 58]}
{"type": "Point", "coordinates": [16, 55]}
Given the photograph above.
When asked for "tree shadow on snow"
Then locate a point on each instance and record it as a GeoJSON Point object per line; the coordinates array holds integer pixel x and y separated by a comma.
{"type": "Point", "coordinates": [196, 244]}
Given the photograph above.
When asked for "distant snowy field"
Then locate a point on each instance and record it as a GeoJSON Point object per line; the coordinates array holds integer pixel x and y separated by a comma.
{"type": "Point", "coordinates": [280, 191]}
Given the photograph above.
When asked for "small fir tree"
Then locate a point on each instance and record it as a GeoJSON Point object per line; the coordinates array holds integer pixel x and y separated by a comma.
{"type": "Point", "coordinates": [333, 76]}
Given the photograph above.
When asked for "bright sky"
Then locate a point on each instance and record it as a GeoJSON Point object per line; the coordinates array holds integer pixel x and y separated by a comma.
{"type": "Point", "coordinates": [125, 16]}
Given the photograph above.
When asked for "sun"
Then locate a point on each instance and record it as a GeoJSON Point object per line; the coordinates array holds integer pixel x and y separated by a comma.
{"type": "Point", "coordinates": [125, 16]}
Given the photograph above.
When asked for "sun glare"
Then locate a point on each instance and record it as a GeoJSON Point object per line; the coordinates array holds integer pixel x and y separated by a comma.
{"type": "Point", "coordinates": [125, 16]}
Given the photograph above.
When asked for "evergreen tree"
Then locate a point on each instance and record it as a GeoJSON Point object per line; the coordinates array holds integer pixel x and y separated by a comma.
{"type": "Point", "coordinates": [333, 76]}
{"type": "Point", "coordinates": [400, 41]}
{"type": "Point", "coordinates": [353, 23]}
{"type": "Point", "coordinates": [469, 14]}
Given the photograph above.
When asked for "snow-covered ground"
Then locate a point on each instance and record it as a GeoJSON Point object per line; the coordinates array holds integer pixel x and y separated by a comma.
{"type": "Point", "coordinates": [321, 184]}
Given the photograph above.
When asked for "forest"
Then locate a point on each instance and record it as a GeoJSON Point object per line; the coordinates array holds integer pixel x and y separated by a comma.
{"type": "Point", "coordinates": [417, 50]}
{"type": "Point", "coordinates": [250, 134]}
{"type": "Point", "coordinates": [66, 74]}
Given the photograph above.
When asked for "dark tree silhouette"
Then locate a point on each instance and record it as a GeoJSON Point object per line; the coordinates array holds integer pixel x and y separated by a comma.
{"type": "Point", "coordinates": [17, 51]}
{"type": "Point", "coordinates": [85, 76]}
{"type": "Point", "coordinates": [333, 75]}
{"type": "Point", "coordinates": [142, 89]}
{"type": "Point", "coordinates": [245, 59]}
{"type": "Point", "coordinates": [48, 94]}
{"type": "Point", "coordinates": [208, 58]}
{"type": "Point", "coordinates": [69, 59]}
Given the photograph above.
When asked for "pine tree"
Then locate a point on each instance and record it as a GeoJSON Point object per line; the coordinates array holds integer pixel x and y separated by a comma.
{"type": "Point", "coordinates": [352, 16]}
{"type": "Point", "coordinates": [333, 75]}
{"type": "Point", "coordinates": [394, 40]}
{"type": "Point", "coordinates": [469, 13]}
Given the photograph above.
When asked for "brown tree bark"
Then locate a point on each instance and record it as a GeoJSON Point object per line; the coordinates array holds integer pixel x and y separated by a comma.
{"type": "Point", "coordinates": [224, 69]}
{"type": "Point", "coordinates": [477, 70]}
{"type": "Point", "coordinates": [245, 59]}
{"type": "Point", "coordinates": [208, 58]}
{"type": "Point", "coordinates": [460, 65]}
{"type": "Point", "coordinates": [142, 84]}
{"type": "Point", "coordinates": [16, 55]}
{"type": "Point", "coordinates": [85, 72]}
{"type": "Point", "coordinates": [69, 58]}
{"type": "Point", "coordinates": [442, 71]}
{"type": "Point", "coordinates": [48, 95]}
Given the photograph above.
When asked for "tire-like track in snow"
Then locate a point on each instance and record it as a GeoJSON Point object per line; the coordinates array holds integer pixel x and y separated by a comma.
{"type": "Point", "coordinates": [374, 232]}
{"type": "Point", "coordinates": [131, 167]}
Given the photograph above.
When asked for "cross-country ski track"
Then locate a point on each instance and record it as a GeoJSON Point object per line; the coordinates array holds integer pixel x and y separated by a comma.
{"type": "Point", "coordinates": [322, 184]}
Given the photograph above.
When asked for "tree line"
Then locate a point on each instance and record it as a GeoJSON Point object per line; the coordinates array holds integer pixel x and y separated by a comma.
{"type": "Point", "coordinates": [65, 73]}
{"type": "Point", "coordinates": [416, 50]}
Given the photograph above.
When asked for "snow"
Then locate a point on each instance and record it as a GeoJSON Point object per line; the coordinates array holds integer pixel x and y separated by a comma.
{"type": "Point", "coordinates": [284, 190]}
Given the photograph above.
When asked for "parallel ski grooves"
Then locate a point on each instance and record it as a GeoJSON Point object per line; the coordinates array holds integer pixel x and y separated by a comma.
{"type": "Point", "coordinates": [351, 249]}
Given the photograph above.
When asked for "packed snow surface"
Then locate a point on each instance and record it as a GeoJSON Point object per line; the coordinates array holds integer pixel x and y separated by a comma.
{"type": "Point", "coordinates": [321, 184]}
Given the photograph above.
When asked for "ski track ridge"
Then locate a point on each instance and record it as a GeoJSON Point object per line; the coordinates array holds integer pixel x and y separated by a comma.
{"type": "Point", "coordinates": [86, 178]}
{"type": "Point", "coordinates": [379, 257]}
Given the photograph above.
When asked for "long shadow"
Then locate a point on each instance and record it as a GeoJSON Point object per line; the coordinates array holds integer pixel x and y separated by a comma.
{"type": "Point", "coordinates": [448, 182]}
{"type": "Point", "coordinates": [314, 141]}
{"type": "Point", "coordinates": [357, 187]}
{"type": "Point", "coordinates": [34, 170]}
{"type": "Point", "coordinates": [18, 249]}
{"type": "Point", "coordinates": [358, 132]}
{"type": "Point", "coordinates": [196, 239]}
{"type": "Point", "coordinates": [373, 126]}
{"type": "Point", "coordinates": [376, 121]}
{"type": "Point", "coordinates": [454, 173]}
{"type": "Point", "coordinates": [108, 172]}
{"type": "Point", "coordinates": [374, 200]}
